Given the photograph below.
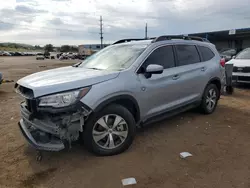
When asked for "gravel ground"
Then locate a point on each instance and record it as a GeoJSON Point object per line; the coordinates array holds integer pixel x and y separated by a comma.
{"type": "Point", "coordinates": [219, 144]}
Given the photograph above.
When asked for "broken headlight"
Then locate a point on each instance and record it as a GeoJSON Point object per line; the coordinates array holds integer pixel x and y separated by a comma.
{"type": "Point", "coordinates": [63, 99]}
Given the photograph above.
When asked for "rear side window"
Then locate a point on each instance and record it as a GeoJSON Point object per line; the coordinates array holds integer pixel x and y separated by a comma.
{"type": "Point", "coordinates": [206, 53]}
{"type": "Point", "coordinates": [162, 56]}
{"type": "Point", "coordinates": [187, 54]}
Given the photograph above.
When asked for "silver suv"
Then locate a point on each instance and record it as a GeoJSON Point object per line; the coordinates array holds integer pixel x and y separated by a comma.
{"type": "Point", "coordinates": [130, 83]}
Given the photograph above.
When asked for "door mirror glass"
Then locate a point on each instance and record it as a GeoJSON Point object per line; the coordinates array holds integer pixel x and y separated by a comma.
{"type": "Point", "coordinates": [154, 69]}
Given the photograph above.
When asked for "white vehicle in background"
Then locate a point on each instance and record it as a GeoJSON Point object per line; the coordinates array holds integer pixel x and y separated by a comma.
{"type": "Point", "coordinates": [241, 67]}
{"type": "Point", "coordinates": [39, 56]}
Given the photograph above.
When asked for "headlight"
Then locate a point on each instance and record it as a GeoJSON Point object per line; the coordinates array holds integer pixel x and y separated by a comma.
{"type": "Point", "coordinates": [63, 99]}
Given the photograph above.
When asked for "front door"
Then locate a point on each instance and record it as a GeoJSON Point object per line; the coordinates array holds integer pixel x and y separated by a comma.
{"type": "Point", "coordinates": [158, 92]}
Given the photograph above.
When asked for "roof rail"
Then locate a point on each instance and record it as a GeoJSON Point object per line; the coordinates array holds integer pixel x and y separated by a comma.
{"type": "Point", "coordinates": [184, 37]}
{"type": "Point", "coordinates": [198, 38]}
{"type": "Point", "coordinates": [129, 40]}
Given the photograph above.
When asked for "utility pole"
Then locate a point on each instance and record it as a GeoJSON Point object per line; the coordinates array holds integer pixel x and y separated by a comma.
{"type": "Point", "coordinates": [146, 31]}
{"type": "Point", "coordinates": [101, 33]}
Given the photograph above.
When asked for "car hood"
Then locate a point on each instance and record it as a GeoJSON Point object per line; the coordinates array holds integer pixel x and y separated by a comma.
{"type": "Point", "coordinates": [240, 62]}
{"type": "Point", "coordinates": [63, 79]}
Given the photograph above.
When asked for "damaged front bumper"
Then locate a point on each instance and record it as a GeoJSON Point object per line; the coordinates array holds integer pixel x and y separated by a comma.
{"type": "Point", "coordinates": [33, 136]}
{"type": "Point", "coordinates": [52, 131]}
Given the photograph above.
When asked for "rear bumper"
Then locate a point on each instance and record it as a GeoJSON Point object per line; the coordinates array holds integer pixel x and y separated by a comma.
{"type": "Point", "coordinates": [33, 136]}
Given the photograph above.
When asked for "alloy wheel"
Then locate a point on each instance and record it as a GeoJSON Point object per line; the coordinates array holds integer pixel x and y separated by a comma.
{"type": "Point", "coordinates": [110, 131]}
{"type": "Point", "coordinates": [211, 99]}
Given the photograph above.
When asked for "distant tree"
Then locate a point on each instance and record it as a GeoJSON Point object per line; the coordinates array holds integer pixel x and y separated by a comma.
{"type": "Point", "coordinates": [38, 47]}
{"type": "Point", "coordinates": [48, 48]}
{"type": "Point", "coordinates": [65, 48]}
{"type": "Point", "coordinates": [74, 49]}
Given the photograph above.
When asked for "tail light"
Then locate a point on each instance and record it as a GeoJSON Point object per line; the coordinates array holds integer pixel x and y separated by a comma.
{"type": "Point", "coordinates": [222, 62]}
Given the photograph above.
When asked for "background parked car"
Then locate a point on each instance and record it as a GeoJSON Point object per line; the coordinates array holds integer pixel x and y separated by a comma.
{"type": "Point", "coordinates": [58, 55]}
{"type": "Point", "coordinates": [39, 56]}
{"type": "Point", "coordinates": [241, 67]}
{"type": "Point", "coordinates": [228, 53]}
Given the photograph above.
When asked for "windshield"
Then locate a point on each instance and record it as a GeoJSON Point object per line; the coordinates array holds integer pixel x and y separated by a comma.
{"type": "Point", "coordinates": [228, 52]}
{"type": "Point", "coordinates": [115, 57]}
{"type": "Point", "coordinates": [245, 54]}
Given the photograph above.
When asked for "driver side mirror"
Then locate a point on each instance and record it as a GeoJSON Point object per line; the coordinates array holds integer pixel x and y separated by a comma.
{"type": "Point", "coordinates": [233, 57]}
{"type": "Point", "coordinates": [154, 69]}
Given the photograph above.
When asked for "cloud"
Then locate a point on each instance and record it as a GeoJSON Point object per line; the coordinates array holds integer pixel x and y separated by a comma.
{"type": "Point", "coordinates": [5, 27]}
{"type": "Point", "coordinates": [56, 21]}
{"type": "Point", "coordinates": [28, 10]}
{"type": "Point", "coordinates": [77, 22]}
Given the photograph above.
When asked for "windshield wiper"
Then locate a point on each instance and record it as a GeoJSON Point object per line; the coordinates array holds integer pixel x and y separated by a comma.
{"type": "Point", "coordinates": [94, 68]}
{"type": "Point", "coordinates": [77, 64]}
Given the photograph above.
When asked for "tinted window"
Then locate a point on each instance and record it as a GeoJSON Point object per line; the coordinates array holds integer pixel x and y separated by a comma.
{"type": "Point", "coordinates": [162, 56]}
{"type": "Point", "coordinates": [206, 53]}
{"type": "Point", "coordinates": [187, 54]}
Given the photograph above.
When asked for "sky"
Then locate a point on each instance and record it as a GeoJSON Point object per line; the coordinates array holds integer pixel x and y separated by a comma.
{"type": "Point", "coordinates": [75, 22]}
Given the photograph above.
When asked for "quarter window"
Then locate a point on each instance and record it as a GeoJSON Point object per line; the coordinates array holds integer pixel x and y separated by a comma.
{"type": "Point", "coordinates": [206, 53]}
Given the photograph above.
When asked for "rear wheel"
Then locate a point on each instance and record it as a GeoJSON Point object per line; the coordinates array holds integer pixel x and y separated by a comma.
{"type": "Point", "coordinates": [210, 99]}
{"type": "Point", "coordinates": [110, 131]}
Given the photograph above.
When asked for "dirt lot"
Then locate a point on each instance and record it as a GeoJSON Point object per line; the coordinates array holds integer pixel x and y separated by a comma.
{"type": "Point", "coordinates": [219, 143]}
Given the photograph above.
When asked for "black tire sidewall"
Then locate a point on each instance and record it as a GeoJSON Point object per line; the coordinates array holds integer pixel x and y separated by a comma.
{"type": "Point", "coordinates": [203, 103]}
{"type": "Point", "coordinates": [111, 109]}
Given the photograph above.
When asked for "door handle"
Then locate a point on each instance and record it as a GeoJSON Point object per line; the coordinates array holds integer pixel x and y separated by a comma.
{"type": "Point", "coordinates": [203, 69]}
{"type": "Point", "coordinates": [175, 77]}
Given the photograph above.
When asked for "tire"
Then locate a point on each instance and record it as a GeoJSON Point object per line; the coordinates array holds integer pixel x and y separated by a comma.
{"type": "Point", "coordinates": [205, 108]}
{"type": "Point", "coordinates": [104, 146]}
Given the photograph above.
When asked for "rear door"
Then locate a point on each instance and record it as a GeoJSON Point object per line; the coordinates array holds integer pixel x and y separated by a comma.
{"type": "Point", "coordinates": [191, 72]}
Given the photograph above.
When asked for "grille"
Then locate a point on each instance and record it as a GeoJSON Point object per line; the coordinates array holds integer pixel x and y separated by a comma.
{"type": "Point", "coordinates": [244, 78]}
{"type": "Point", "coordinates": [242, 69]}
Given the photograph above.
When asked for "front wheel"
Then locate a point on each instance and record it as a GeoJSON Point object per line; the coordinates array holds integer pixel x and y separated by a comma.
{"type": "Point", "coordinates": [110, 131]}
{"type": "Point", "coordinates": [209, 99]}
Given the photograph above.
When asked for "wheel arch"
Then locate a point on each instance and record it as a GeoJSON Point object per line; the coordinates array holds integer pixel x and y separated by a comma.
{"type": "Point", "coordinates": [217, 82]}
{"type": "Point", "coordinates": [125, 100]}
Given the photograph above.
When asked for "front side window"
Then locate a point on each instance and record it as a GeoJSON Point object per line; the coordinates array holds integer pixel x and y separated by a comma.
{"type": "Point", "coordinates": [187, 54]}
{"type": "Point", "coordinates": [115, 57]}
{"type": "Point", "coordinates": [161, 56]}
{"type": "Point", "coordinates": [245, 54]}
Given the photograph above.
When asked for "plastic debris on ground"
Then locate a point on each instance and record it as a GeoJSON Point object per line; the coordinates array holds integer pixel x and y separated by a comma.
{"type": "Point", "coordinates": [128, 181]}
{"type": "Point", "coordinates": [8, 81]}
{"type": "Point", "coordinates": [184, 155]}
